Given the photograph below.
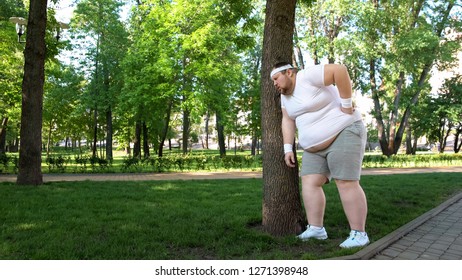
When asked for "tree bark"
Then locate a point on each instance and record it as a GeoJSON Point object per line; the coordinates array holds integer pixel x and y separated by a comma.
{"type": "Point", "coordinates": [221, 134]}
{"type": "Point", "coordinates": [95, 132]}
{"type": "Point", "coordinates": [3, 128]}
{"type": "Point", "coordinates": [146, 152]}
{"type": "Point", "coordinates": [165, 128]}
{"type": "Point", "coordinates": [137, 141]}
{"type": "Point", "coordinates": [457, 138]}
{"type": "Point", "coordinates": [282, 209]}
{"type": "Point", "coordinates": [109, 133]}
{"type": "Point", "coordinates": [30, 153]}
{"type": "Point", "coordinates": [207, 119]}
{"type": "Point", "coordinates": [186, 130]}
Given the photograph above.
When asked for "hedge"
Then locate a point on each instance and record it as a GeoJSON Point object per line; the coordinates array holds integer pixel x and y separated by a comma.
{"type": "Point", "coordinates": [208, 162]}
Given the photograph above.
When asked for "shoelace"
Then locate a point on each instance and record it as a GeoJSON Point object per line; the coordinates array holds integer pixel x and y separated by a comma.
{"type": "Point", "coordinates": [353, 234]}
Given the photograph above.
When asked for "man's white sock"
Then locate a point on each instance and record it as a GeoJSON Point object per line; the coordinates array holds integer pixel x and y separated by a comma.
{"type": "Point", "coordinates": [315, 227]}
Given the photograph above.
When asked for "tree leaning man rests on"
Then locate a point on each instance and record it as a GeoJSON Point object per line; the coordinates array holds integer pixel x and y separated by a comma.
{"type": "Point", "coordinates": [317, 101]}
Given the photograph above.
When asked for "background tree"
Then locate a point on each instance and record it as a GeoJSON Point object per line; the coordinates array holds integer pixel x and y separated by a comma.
{"type": "Point", "coordinates": [30, 153]}
{"type": "Point", "coordinates": [150, 93]}
{"type": "Point", "coordinates": [249, 98]}
{"type": "Point", "coordinates": [320, 23]}
{"type": "Point", "coordinates": [41, 44]}
{"type": "Point", "coordinates": [101, 35]}
{"type": "Point", "coordinates": [61, 116]}
{"type": "Point", "coordinates": [420, 124]}
{"type": "Point", "coordinates": [389, 47]}
{"type": "Point", "coordinates": [11, 70]}
{"type": "Point", "coordinates": [194, 60]}
{"type": "Point", "coordinates": [406, 49]}
{"type": "Point", "coordinates": [446, 109]}
{"type": "Point", "coordinates": [452, 88]}
{"type": "Point", "coordinates": [184, 62]}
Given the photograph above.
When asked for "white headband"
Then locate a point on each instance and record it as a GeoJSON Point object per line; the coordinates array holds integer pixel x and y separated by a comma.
{"type": "Point", "coordinates": [279, 69]}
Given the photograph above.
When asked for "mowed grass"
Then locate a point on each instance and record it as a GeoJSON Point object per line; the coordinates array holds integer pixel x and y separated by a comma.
{"type": "Point", "coordinates": [201, 219]}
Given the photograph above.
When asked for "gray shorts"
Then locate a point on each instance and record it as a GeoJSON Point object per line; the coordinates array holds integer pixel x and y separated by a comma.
{"type": "Point", "coordinates": [342, 159]}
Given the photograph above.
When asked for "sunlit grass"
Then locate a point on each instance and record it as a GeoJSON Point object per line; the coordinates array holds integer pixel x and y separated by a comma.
{"type": "Point", "coordinates": [68, 161]}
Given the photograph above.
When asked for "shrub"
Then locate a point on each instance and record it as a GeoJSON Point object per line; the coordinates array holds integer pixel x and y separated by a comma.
{"type": "Point", "coordinates": [4, 159]}
{"type": "Point", "coordinates": [56, 164]}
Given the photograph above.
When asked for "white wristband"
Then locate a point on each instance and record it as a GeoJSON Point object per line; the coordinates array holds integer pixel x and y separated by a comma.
{"type": "Point", "coordinates": [288, 148]}
{"type": "Point", "coordinates": [346, 102]}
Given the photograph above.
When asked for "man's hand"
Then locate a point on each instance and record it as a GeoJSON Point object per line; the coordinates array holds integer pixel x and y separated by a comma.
{"type": "Point", "coordinates": [348, 110]}
{"type": "Point", "coordinates": [289, 158]}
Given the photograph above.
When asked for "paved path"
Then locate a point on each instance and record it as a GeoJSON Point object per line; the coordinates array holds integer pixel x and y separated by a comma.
{"type": "Point", "coordinates": [208, 175]}
{"type": "Point", "coordinates": [436, 235]}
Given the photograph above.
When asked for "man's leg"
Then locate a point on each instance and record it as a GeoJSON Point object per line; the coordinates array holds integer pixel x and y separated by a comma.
{"type": "Point", "coordinates": [354, 203]}
{"type": "Point", "coordinates": [314, 198]}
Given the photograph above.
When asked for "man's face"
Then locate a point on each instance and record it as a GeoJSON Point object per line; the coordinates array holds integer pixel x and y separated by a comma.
{"type": "Point", "coordinates": [282, 82]}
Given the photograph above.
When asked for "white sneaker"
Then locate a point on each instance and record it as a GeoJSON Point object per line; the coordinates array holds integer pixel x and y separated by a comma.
{"type": "Point", "coordinates": [356, 239]}
{"type": "Point", "coordinates": [313, 233]}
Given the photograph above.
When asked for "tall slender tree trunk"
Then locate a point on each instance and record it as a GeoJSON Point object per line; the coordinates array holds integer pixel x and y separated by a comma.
{"type": "Point", "coordinates": [221, 134]}
{"type": "Point", "coordinates": [137, 141]}
{"type": "Point", "coordinates": [411, 142]}
{"type": "Point", "coordinates": [253, 148]}
{"type": "Point", "coordinates": [109, 134]}
{"type": "Point", "coordinates": [3, 128]}
{"type": "Point", "coordinates": [95, 132]}
{"type": "Point", "coordinates": [207, 119]}
{"type": "Point", "coordinates": [95, 124]}
{"type": "Point", "coordinates": [30, 153]}
{"type": "Point", "coordinates": [282, 209]}
{"type": "Point", "coordinates": [146, 152]}
{"type": "Point", "coordinates": [165, 128]}
{"type": "Point", "coordinates": [50, 131]}
{"type": "Point", "coordinates": [458, 139]}
{"type": "Point", "coordinates": [186, 128]}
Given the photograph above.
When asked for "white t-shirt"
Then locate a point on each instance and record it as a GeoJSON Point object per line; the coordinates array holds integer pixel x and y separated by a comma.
{"type": "Point", "coordinates": [316, 108]}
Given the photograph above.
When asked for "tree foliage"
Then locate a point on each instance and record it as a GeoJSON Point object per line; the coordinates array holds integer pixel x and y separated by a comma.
{"type": "Point", "coordinates": [391, 48]}
{"type": "Point", "coordinates": [170, 65]}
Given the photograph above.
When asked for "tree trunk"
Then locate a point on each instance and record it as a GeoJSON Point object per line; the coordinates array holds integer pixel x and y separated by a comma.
{"type": "Point", "coordinates": [392, 136]}
{"type": "Point", "coordinates": [409, 149]}
{"type": "Point", "coordinates": [254, 145]}
{"type": "Point", "coordinates": [96, 93]}
{"type": "Point", "coordinates": [109, 155]}
{"type": "Point", "coordinates": [3, 135]}
{"type": "Point", "coordinates": [186, 128]}
{"type": "Point", "coordinates": [207, 118]}
{"type": "Point", "coordinates": [445, 137]}
{"type": "Point", "coordinates": [30, 153]}
{"type": "Point", "coordinates": [381, 132]}
{"type": "Point", "coordinates": [95, 132]}
{"type": "Point", "coordinates": [457, 138]}
{"type": "Point", "coordinates": [137, 141]}
{"type": "Point", "coordinates": [221, 135]}
{"type": "Point", "coordinates": [50, 131]}
{"type": "Point", "coordinates": [128, 150]}
{"type": "Point", "coordinates": [282, 209]}
{"type": "Point", "coordinates": [165, 128]}
{"type": "Point", "coordinates": [146, 152]}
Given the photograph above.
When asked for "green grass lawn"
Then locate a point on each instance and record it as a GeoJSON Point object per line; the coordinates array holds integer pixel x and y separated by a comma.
{"type": "Point", "coordinates": [201, 219]}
